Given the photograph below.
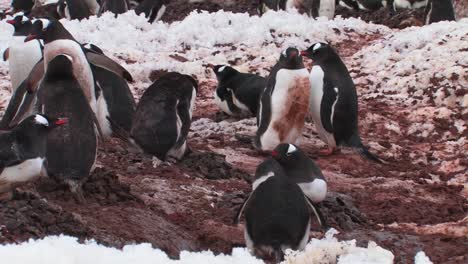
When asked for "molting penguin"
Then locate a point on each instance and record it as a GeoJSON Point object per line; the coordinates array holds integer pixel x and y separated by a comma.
{"type": "Point", "coordinates": [284, 103]}
{"type": "Point", "coordinates": [333, 100]}
{"type": "Point", "coordinates": [114, 6]}
{"type": "Point", "coordinates": [302, 170]}
{"type": "Point", "coordinates": [119, 104]}
{"type": "Point", "coordinates": [238, 93]}
{"type": "Point", "coordinates": [153, 9]}
{"type": "Point", "coordinates": [72, 149]}
{"type": "Point", "coordinates": [277, 215]}
{"type": "Point", "coordinates": [163, 116]}
{"type": "Point", "coordinates": [23, 151]}
{"type": "Point", "coordinates": [439, 10]}
{"type": "Point", "coordinates": [21, 56]}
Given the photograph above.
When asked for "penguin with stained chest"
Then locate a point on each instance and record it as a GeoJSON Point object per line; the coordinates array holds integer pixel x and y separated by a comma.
{"type": "Point", "coordinates": [302, 170]}
{"type": "Point", "coordinates": [284, 103]}
{"type": "Point", "coordinates": [164, 115]}
{"type": "Point", "coordinates": [152, 9]}
{"type": "Point", "coordinates": [115, 6]}
{"type": "Point", "coordinates": [238, 94]}
{"type": "Point", "coordinates": [119, 104]}
{"type": "Point", "coordinates": [439, 10]}
{"type": "Point", "coordinates": [72, 149]}
{"type": "Point", "coordinates": [23, 151]}
{"type": "Point", "coordinates": [333, 101]}
{"type": "Point", "coordinates": [277, 214]}
{"type": "Point", "coordinates": [21, 56]}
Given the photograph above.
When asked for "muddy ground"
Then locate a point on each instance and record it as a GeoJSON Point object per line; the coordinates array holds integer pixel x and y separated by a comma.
{"type": "Point", "coordinates": [190, 205]}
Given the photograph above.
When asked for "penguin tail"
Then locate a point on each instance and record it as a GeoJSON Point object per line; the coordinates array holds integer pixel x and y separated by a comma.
{"type": "Point", "coordinates": [368, 155]}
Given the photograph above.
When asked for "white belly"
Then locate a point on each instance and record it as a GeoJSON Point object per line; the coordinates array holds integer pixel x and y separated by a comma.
{"type": "Point", "coordinates": [101, 115]}
{"type": "Point", "coordinates": [223, 105]}
{"type": "Point", "coordinates": [316, 95]}
{"type": "Point", "coordinates": [23, 57]}
{"type": "Point", "coordinates": [315, 190]}
{"type": "Point", "coordinates": [279, 107]}
{"type": "Point", "coordinates": [81, 68]}
{"type": "Point", "coordinates": [327, 9]}
{"type": "Point", "coordinates": [21, 173]}
{"type": "Point", "coordinates": [407, 4]}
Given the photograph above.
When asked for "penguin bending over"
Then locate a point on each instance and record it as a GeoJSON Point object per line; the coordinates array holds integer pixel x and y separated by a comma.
{"type": "Point", "coordinates": [115, 6]}
{"type": "Point", "coordinates": [238, 93]}
{"type": "Point", "coordinates": [23, 151]}
{"type": "Point", "coordinates": [164, 115]}
{"type": "Point", "coordinates": [333, 101]}
{"type": "Point", "coordinates": [153, 9]}
{"type": "Point", "coordinates": [284, 104]}
{"type": "Point", "coordinates": [21, 56]}
{"type": "Point", "coordinates": [277, 214]}
{"type": "Point", "coordinates": [71, 150]}
{"type": "Point", "coordinates": [439, 10]}
{"type": "Point", "coordinates": [302, 170]}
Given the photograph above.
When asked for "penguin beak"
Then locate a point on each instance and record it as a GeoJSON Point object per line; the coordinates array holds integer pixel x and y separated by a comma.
{"type": "Point", "coordinates": [274, 153]}
{"type": "Point", "coordinates": [304, 53]}
{"type": "Point", "coordinates": [11, 22]}
{"type": "Point", "coordinates": [61, 121]}
{"type": "Point", "coordinates": [30, 37]}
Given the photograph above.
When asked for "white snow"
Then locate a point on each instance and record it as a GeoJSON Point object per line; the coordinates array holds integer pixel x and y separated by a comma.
{"type": "Point", "coordinates": [421, 258]}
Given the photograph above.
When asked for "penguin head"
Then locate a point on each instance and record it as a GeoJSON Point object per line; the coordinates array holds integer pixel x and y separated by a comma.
{"type": "Point", "coordinates": [291, 58]}
{"type": "Point", "coordinates": [40, 123]}
{"type": "Point", "coordinates": [318, 51]}
{"type": "Point", "coordinates": [286, 153]}
{"type": "Point", "coordinates": [48, 29]}
{"type": "Point", "coordinates": [21, 23]}
{"type": "Point", "coordinates": [224, 71]}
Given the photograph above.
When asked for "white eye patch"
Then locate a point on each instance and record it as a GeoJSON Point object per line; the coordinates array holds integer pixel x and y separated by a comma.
{"type": "Point", "coordinates": [45, 23]}
{"type": "Point", "coordinates": [317, 46]}
{"type": "Point", "coordinates": [24, 19]}
{"type": "Point", "coordinates": [40, 120]}
{"type": "Point", "coordinates": [221, 69]}
{"type": "Point", "coordinates": [291, 149]}
{"type": "Point", "coordinates": [284, 52]}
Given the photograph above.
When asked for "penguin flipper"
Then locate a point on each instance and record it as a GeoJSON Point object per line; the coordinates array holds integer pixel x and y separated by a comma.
{"type": "Point", "coordinates": [13, 106]}
{"type": "Point", "coordinates": [330, 96]}
{"type": "Point", "coordinates": [101, 60]}
{"type": "Point", "coordinates": [6, 54]}
{"type": "Point", "coordinates": [35, 76]}
{"type": "Point", "coordinates": [241, 210]}
{"type": "Point", "coordinates": [183, 110]}
{"type": "Point", "coordinates": [24, 108]}
{"type": "Point", "coordinates": [317, 213]}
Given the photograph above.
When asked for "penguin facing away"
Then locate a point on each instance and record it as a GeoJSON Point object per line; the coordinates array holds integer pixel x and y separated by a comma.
{"type": "Point", "coordinates": [238, 93]}
{"type": "Point", "coordinates": [71, 150]}
{"type": "Point", "coordinates": [22, 57]}
{"type": "Point", "coordinates": [333, 101]}
{"type": "Point", "coordinates": [439, 10]}
{"type": "Point", "coordinates": [164, 115]}
{"type": "Point", "coordinates": [23, 151]}
{"type": "Point", "coordinates": [284, 103]}
{"type": "Point", "coordinates": [302, 170]}
{"type": "Point", "coordinates": [277, 214]}
{"type": "Point", "coordinates": [152, 9]}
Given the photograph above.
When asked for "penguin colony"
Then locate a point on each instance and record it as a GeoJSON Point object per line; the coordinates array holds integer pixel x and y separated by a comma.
{"type": "Point", "coordinates": [67, 97]}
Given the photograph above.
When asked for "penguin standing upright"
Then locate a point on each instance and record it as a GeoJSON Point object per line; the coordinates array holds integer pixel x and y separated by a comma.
{"type": "Point", "coordinates": [238, 93]}
{"type": "Point", "coordinates": [163, 116]}
{"type": "Point", "coordinates": [77, 9]}
{"type": "Point", "coordinates": [333, 101]}
{"type": "Point", "coordinates": [439, 10]}
{"type": "Point", "coordinates": [23, 151]}
{"type": "Point", "coordinates": [153, 9]}
{"type": "Point", "coordinates": [21, 56]}
{"type": "Point", "coordinates": [284, 103]}
{"type": "Point", "coordinates": [71, 150]}
{"type": "Point", "coordinates": [115, 6]}
{"type": "Point", "coordinates": [277, 214]}
{"type": "Point", "coordinates": [302, 170]}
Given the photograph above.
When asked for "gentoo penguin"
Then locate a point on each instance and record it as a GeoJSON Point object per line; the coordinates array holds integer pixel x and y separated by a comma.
{"type": "Point", "coordinates": [333, 101]}
{"type": "Point", "coordinates": [284, 103]}
{"type": "Point", "coordinates": [72, 149]}
{"type": "Point", "coordinates": [163, 116]}
{"type": "Point", "coordinates": [22, 57]}
{"type": "Point", "coordinates": [439, 10]}
{"type": "Point", "coordinates": [77, 9]}
{"type": "Point", "coordinates": [153, 9]}
{"type": "Point", "coordinates": [238, 93]}
{"type": "Point", "coordinates": [302, 170]}
{"type": "Point", "coordinates": [22, 6]}
{"type": "Point", "coordinates": [277, 214]}
{"type": "Point", "coordinates": [409, 4]}
{"type": "Point", "coordinates": [119, 103]}
{"type": "Point", "coordinates": [114, 6]}
{"type": "Point", "coordinates": [23, 151]}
